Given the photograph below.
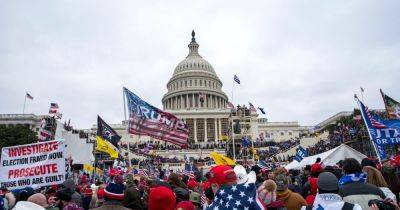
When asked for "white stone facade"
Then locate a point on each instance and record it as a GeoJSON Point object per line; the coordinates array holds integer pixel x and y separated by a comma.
{"type": "Point", "coordinates": [195, 95]}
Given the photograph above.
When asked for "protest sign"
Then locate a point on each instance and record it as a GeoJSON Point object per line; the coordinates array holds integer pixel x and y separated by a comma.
{"type": "Point", "coordinates": [42, 164]}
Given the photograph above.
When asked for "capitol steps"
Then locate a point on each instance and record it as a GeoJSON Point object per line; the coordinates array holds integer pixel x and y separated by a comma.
{"type": "Point", "coordinates": [304, 142]}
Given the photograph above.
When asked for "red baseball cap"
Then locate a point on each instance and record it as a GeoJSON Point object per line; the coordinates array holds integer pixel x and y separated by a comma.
{"type": "Point", "coordinates": [222, 174]}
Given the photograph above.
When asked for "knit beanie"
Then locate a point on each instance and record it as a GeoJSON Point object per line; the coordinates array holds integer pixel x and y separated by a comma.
{"type": "Point", "coordinates": [114, 191]}
{"type": "Point", "coordinates": [267, 192]}
{"type": "Point", "coordinates": [161, 198]}
{"type": "Point", "coordinates": [328, 182]}
{"type": "Point", "coordinates": [39, 199]}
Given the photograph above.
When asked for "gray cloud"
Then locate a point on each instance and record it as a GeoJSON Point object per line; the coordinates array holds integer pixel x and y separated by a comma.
{"type": "Point", "coordinates": [300, 60]}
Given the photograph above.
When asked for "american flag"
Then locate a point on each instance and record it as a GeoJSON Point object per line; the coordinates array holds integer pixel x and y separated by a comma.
{"type": "Point", "coordinates": [203, 199]}
{"type": "Point", "coordinates": [252, 108]}
{"type": "Point", "coordinates": [44, 134]}
{"type": "Point", "coordinates": [263, 165]}
{"type": "Point", "coordinates": [236, 79]}
{"type": "Point", "coordinates": [374, 121]}
{"type": "Point", "coordinates": [53, 108]}
{"type": "Point", "coordinates": [142, 172]}
{"type": "Point", "coordinates": [145, 119]}
{"type": "Point", "coordinates": [190, 174]}
{"type": "Point", "coordinates": [241, 196]}
{"type": "Point", "coordinates": [29, 96]}
{"type": "Point", "coordinates": [230, 105]}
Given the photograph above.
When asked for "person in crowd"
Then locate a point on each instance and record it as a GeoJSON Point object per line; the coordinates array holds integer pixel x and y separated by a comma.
{"type": "Point", "coordinates": [185, 205]}
{"type": "Point", "coordinates": [353, 188]}
{"type": "Point", "coordinates": [195, 199]}
{"type": "Point", "coordinates": [9, 200]}
{"type": "Point", "coordinates": [375, 177]}
{"type": "Point", "coordinates": [367, 162]}
{"type": "Point", "coordinates": [181, 194]}
{"type": "Point", "coordinates": [75, 197]}
{"type": "Point", "coordinates": [113, 197]}
{"type": "Point", "coordinates": [292, 200]}
{"type": "Point", "coordinates": [393, 181]}
{"type": "Point", "coordinates": [27, 205]}
{"type": "Point", "coordinates": [327, 197]}
{"type": "Point", "coordinates": [40, 199]}
{"type": "Point", "coordinates": [175, 181]}
{"type": "Point", "coordinates": [305, 174]}
{"type": "Point", "coordinates": [66, 202]}
{"type": "Point", "coordinates": [161, 197]}
{"type": "Point", "coordinates": [132, 197]}
{"type": "Point", "coordinates": [267, 192]}
{"type": "Point", "coordinates": [310, 187]}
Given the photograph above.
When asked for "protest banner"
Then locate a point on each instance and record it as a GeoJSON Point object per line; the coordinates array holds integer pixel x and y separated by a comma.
{"type": "Point", "coordinates": [42, 164]}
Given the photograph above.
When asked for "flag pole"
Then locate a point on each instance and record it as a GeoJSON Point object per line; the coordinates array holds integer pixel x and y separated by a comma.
{"type": "Point", "coordinates": [362, 94]}
{"type": "Point", "coordinates": [23, 109]}
{"type": "Point", "coordinates": [233, 142]}
{"type": "Point", "coordinates": [233, 133]}
{"type": "Point", "coordinates": [129, 149]}
{"type": "Point", "coordinates": [366, 126]}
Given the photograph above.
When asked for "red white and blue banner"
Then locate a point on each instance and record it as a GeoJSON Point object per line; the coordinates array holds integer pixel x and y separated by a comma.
{"type": "Point", "coordinates": [382, 132]}
{"type": "Point", "coordinates": [145, 119]}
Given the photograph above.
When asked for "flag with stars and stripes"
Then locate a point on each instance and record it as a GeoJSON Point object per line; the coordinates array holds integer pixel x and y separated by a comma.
{"type": "Point", "coordinates": [237, 197]}
{"type": "Point", "coordinates": [252, 108]}
{"type": "Point", "coordinates": [382, 132]}
{"type": "Point", "coordinates": [236, 79]}
{"type": "Point", "coordinates": [145, 119]}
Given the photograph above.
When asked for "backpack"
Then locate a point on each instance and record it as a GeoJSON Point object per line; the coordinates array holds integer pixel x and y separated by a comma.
{"type": "Point", "coordinates": [346, 206]}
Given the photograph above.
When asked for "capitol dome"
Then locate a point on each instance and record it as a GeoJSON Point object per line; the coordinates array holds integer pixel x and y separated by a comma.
{"type": "Point", "coordinates": [194, 84]}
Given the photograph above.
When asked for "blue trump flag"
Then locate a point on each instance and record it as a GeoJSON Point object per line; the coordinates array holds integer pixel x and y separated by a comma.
{"type": "Point", "coordinates": [301, 153]}
{"type": "Point", "coordinates": [381, 132]}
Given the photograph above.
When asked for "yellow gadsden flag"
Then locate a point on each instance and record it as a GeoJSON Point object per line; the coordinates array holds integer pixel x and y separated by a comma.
{"type": "Point", "coordinates": [221, 159]}
{"type": "Point", "coordinates": [107, 147]}
{"type": "Point", "coordinates": [89, 168]}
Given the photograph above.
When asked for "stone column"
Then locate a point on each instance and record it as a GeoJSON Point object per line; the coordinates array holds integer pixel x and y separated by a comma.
{"type": "Point", "coordinates": [193, 104]}
{"type": "Point", "coordinates": [219, 127]}
{"type": "Point", "coordinates": [182, 104]}
{"type": "Point", "coordinates": [195, 129]}
{"type": "Point", "coordinates": [205, 129]}
{"type": "Point", "coordinates": [215, 130]}
{"type": "Point", "coordinates": [187, 101]}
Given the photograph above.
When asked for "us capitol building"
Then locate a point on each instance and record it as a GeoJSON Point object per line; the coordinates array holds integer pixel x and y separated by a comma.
{"type": "Point", "coordinates": [194, 94]}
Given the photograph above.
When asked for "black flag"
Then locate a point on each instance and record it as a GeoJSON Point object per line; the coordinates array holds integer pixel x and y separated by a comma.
{"type": "Point", "coordinates": [106, 132]}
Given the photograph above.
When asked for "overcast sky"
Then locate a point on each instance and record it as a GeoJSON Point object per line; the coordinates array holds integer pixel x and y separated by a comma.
{"type": "Point", "coordinates": [300, 60]}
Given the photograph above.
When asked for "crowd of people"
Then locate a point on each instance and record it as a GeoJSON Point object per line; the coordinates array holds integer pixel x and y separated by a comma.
{"type": "Point", "coordinates": [349, 184]}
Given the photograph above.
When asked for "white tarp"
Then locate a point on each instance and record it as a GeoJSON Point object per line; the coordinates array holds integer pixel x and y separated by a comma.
{"type": "Point", "coordinates": [78, 149]}
{"type": "Point", "coordinates": [328, 158]}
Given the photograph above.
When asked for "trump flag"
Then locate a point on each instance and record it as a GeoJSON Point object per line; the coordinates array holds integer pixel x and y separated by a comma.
{"type": "Point", "coordinates": [145, 119]}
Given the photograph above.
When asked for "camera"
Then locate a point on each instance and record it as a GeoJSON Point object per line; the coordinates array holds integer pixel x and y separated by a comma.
{"type": "Point", "coordinates": [381, 204]}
